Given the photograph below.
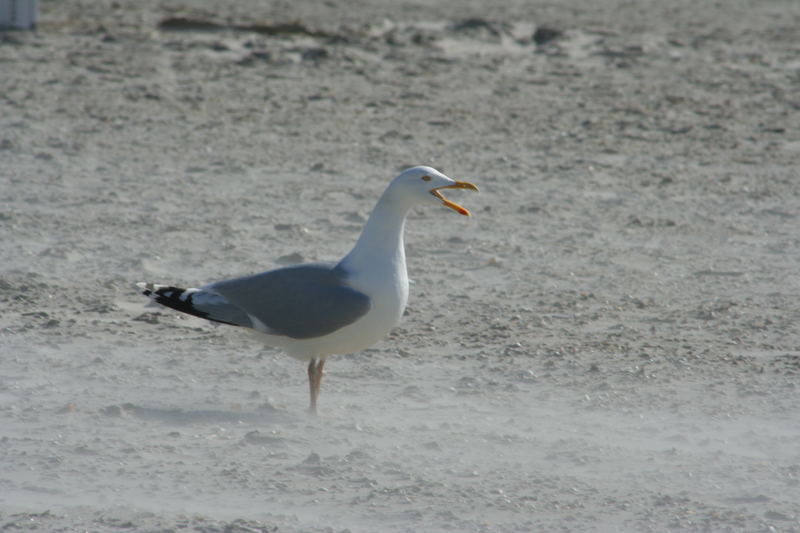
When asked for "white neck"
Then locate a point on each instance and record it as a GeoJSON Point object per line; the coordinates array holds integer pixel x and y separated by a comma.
{"type": "Point", "coordinates": [381, 240]}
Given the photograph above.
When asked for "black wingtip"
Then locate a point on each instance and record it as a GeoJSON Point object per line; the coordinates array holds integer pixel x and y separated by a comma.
{"type": "Point", "coordinates": [146, 288]}
{"type": "Point", "coordinates": [177, 298]}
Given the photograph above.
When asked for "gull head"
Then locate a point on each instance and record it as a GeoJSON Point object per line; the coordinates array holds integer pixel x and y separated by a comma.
{"type": "Point", "coordinates": [424, 185]}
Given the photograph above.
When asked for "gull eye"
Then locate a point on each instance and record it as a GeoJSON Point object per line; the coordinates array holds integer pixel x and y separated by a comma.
{"type": "Point", "coordinates": [426, 178]}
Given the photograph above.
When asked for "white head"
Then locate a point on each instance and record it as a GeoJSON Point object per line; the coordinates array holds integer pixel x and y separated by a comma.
{"type": "Point", "coordinates": [422, 185]}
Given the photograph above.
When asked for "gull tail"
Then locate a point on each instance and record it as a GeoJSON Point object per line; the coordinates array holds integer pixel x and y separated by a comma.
{"type": "Point", "coordinates": [197, 302]}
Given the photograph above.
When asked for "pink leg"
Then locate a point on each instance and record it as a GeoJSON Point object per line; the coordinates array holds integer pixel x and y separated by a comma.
{"type": "Point", "coordinates": [320, 364]}
{"type": "Point", "coordinates": [314, 381]}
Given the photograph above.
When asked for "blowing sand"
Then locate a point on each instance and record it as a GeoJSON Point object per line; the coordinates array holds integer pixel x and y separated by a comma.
{"type": "Point", "coordinates": [611, 342]}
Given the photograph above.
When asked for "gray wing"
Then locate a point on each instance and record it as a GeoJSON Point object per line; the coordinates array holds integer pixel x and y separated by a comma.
{"type": "Point", "coordinates": [301, 302]}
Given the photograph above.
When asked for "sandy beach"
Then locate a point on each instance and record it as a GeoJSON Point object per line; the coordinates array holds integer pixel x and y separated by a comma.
{"type": "Point", "coordinates": [611, 343]}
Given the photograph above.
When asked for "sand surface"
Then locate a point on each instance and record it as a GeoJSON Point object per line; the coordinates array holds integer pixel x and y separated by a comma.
{"type": "Point", "coordinates": [611, 343]}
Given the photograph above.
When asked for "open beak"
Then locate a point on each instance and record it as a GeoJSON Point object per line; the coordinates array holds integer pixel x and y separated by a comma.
{"type": "Point", "coordinates": [452, 205]}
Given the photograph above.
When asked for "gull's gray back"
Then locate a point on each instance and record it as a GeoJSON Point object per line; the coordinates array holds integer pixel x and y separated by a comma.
{"type": "Point", "coordinates": [301, 302]}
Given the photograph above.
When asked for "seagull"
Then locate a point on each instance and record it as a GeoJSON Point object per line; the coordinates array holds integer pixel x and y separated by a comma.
{"type": "Point", "coordinates": [314, 310]}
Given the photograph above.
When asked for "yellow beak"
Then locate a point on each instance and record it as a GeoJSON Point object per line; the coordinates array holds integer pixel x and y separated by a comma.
{"type": "Point", "coordinates": [452, 205]}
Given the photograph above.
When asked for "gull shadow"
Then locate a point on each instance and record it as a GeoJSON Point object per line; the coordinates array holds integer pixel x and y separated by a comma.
{"type": "Point", "coordinates": [177, 416]}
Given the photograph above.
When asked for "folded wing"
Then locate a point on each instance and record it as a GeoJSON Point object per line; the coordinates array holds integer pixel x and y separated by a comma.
{"type": "Point", "coordinates": [301, 302]}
